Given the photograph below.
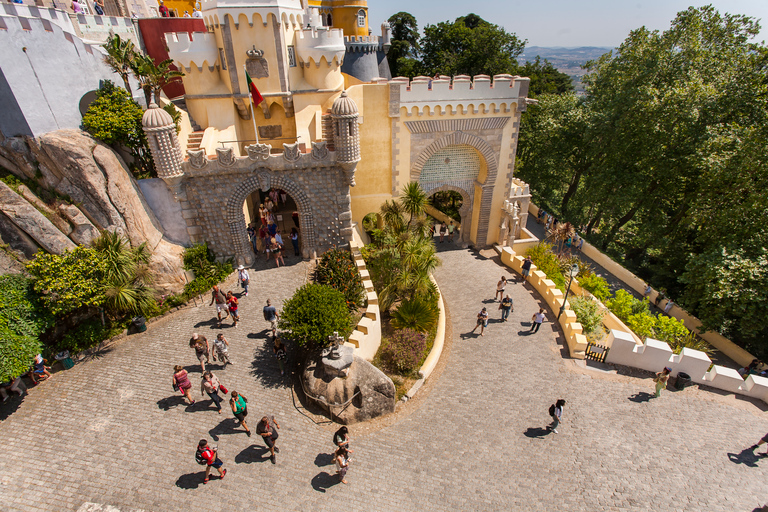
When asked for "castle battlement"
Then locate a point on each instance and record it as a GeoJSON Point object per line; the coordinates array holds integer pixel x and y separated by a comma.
{"type": "Point", "coordinates": [188, 51]}
{"type": "Point", "coordinates": [462, 93]}
{"type": "Point", "coordinates": [315, 43]}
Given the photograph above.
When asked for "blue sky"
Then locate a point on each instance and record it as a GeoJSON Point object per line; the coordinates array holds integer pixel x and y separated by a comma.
{"type": "Point", "coordinates": [563, 22]}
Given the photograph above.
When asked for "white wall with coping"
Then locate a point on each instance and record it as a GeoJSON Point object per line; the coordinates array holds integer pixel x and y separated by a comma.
{"type": "Point", "coordinates": [44, 73]}
{"type": "Point", "coordinates": [654, 355]}
{"type": "Point", "coordinates": [366, 338]}
{"type": "Point", "coordinates": [437, 346]}
{"type": "Point", "coordinates": [718, 341]}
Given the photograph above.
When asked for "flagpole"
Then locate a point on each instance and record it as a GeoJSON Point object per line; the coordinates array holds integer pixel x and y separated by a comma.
{"type": "Point", "coordinates": [253, 116]}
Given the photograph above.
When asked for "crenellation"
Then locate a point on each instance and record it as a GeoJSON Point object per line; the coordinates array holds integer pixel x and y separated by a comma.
{"type": "Point", "coordinates": [192, 51]}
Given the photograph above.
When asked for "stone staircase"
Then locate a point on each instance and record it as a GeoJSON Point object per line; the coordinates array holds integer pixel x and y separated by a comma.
{"type": "Point", "coordinates": [194, 140]}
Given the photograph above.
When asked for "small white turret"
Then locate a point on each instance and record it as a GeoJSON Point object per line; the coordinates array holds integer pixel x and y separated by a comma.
{"type": "Point", "coordinates": [164, 144]}
{"type": "Point", "coordinates": [346, 134]}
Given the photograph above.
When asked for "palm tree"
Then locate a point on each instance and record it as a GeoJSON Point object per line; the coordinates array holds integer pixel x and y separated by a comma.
{"type": "Point", "coordinates": [561, 232]}
{"type": "Point", "coordinates": [120, 55]}
{"type": "Point", "coordinates": [413, 200]}
{"type": "Point", "coordinates": [153, 77]}
{"type": "Point", "coordinates": [127, 279]}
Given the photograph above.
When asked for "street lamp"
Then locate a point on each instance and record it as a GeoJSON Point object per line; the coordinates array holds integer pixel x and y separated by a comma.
{"type": "Point", "coordinates": [574, 271]}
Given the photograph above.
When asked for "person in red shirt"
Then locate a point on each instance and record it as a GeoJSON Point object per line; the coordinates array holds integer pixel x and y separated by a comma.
{"type": "Point", "coordinates": [211, 458]}
{"type": "Point", "coordinates": [163, 10]}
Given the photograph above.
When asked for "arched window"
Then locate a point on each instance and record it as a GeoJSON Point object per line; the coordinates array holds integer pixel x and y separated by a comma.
{"type": "Point", "coordinates": [361, 18]}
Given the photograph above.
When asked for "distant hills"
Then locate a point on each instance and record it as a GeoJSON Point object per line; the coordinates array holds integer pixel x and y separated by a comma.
{"type": "Point", "coordinates": [566, 60]}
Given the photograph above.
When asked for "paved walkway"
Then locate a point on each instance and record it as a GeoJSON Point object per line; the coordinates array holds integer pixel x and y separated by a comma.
{"type": "Point", "coordinates": [110, 432]}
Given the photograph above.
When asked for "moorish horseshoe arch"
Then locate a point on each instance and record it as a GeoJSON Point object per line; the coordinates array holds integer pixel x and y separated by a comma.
{"type": "Point", "coordinates": [464, 211]}
{"type": "Point", "coordinates": [491, 162]}
{"type": "Point", "coordinates": [265, 180]}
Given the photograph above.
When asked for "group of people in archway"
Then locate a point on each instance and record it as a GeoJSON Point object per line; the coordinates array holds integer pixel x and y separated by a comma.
{"type": "Point", "coordinates": [266, 237]}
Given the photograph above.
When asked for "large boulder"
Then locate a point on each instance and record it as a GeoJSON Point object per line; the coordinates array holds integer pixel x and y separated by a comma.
{"type": "Point", "coordinates": [32, 222]}
{"type": "Point", "coordinates": [371, 391]}
{"type": "Point", "coordinates": [84, 232]}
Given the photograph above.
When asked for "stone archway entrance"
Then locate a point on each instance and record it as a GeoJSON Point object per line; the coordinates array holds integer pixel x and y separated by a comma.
{"type": "Point", "coordinates": [466, 164]}
{"type": "Point", "coordinates": [264, 181]}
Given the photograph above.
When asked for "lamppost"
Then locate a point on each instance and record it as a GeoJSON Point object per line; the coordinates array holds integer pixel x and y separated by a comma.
{"type": "Point", "coordinates": [574, 271]}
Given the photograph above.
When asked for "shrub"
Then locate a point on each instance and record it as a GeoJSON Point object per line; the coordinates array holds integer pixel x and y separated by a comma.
{"type": "Point", "coordinates": [419, 314]}
{"type": "Point", "coordinates": [642, 324]}
{"type": "Point", "coordinates": [337, 269]}
{"type": "Point", "coordinates": [595, 285]}
{"type": "Point", "coordinates": [622, 305]}
{"type": "Point", "coordinates": [404, 351]}
{"type": "Point", "coordinates": [200, 260]}
{"type": "Point", "coordinates": [17, 353]}
{"type": "Point", "coordinates": [20, 307]}
{"type": "Point", "coordinates": [69, 281]}
{"type": "Point", "coordinates": [90, 333]}
{"type": "Point", "coordinates": [313, 313]}
{"type": "Point", "coordinates": [545, 260]}
{"type": "Point", "coordinates": [588, 314]}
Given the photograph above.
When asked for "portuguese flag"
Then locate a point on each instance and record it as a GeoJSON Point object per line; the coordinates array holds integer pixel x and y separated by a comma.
{"type": "Point", "coordinates": [255, 94]}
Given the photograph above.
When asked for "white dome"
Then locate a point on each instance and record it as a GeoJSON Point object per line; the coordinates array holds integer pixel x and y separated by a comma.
{"type": "Point", "coordinates": [155, 117]}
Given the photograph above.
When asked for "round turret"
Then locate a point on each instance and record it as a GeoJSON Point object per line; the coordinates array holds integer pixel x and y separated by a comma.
{"type": "Point", "coordinates": [346, 134]}
{"type": "Point", "coordinates": [163, 142]}
{"type": "Point", "coordinates": [156, 117]}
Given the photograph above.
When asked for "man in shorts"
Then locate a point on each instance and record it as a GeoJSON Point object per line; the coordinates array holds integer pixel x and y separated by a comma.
{"type": "Point", "coordinates": [482, 321]}
{"type": "Point", "coordinates": [271, 316]}
{"type": "Point", "coordinates": [211, 458]}
{"type": "Point", "coordinates": [202, 349]}
{"type": "Point", "coordinates": [220, 299]}
{"type": "Point", "coordinates": [527, 267]}
{"type": "Point", "coordinates": [267, 429]}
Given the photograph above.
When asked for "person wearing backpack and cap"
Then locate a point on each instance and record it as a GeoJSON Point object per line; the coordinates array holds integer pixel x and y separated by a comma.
{"type": "Point", "coordinates": [556, 411]}
{"type": "Point", "coordinates": [244, 278]}
{"type": "Point", "coordinates": [209, 457]}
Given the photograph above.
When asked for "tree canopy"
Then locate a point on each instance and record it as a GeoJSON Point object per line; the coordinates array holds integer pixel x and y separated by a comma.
{"type": "Point", "coordinates": [663, 163]}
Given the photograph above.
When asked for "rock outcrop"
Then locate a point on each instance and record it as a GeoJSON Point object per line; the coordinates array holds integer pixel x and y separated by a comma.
{"type": "Point", "coordinates": [73, 164]}
{"type": "Point", "coordinates": [371, 392]}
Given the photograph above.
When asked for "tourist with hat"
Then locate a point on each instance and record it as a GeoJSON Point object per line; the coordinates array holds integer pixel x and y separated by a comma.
{"type": "Point", "coordinates": [244, 278]}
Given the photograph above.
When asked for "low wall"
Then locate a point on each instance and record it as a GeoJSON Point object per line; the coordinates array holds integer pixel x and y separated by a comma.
{"type": "Point", "coordinates": [654, 355]}
{"type": "Point", "coordinates": [721, 343]}
{"type": "Point", "coordinates": [366, 338]}
{"type": "Point", "coordinates": [437, 346]}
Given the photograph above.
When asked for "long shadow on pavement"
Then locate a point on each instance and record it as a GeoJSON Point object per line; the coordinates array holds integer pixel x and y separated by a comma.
{"type": "Point", "coordinates": [323, 481]}
{"type": "Point", "coordinates": [266, 369]}
{"type": "Point", "coordinates": [537, 432]}
{"type": "Point", "coordinates": [228, 426]}
{"type": "Point", "coordinates": [323, 459]}
{"type": "Point", "coordinates": [640, 397]}
{"type": "Point", "coordinates": [172, 401]}
{"type": "Point", "coordinates": [252, 454]}
{"type": "Point", "coordinates": [747, 457]}
{"type": "Point", "coordinates": [191, 480]}
{"type": "Point", "coordinates": [10, 406]}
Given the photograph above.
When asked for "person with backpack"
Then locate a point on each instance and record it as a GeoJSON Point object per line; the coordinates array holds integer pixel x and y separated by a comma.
{"type": "Point", "coordinates": [202, 349]}
{"type": "Point", "coordinates": [239, 405]}
{"type": "Point", "coordinates": [556, 411]}
{"type": "Point", "coordinates": [506, 307]}
{"type": "Point", "coordinates": [270, 435]}
{"type": "Point", "coordinates": [220, 299]}
{"type": "Point", "coordinates": [279, 349]}
{"type": "Point", "coordinates": [243, 277]}
{"type": "Point", "coordinates": [271, 316]}
{"type": "Point", "coordinates": [209, 457]}
{"type": "Point", "coordinates": [526, 267]}
{"type": "Point", "coordinates": [233, 304]}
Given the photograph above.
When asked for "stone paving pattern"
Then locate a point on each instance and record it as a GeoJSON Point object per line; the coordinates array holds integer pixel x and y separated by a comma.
{"type": "Point", "coordinates": [111, 432]}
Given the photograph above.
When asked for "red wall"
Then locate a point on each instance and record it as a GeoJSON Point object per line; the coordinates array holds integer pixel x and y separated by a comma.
{"type": "Point", "coordinates": [153, 32]}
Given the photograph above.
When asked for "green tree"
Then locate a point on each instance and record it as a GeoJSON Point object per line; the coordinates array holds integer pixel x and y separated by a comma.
{"type": "Point", "coordinates": [404, 49]}
{"type": "Point", "coordinates": [153, 77]}
{"type": "Point", "coordinates": [115, 119]}
{"type": "Point", "coordinates": [315, 312]}
{"type": "Point", "coordinates": [71, 281]}
{"type": "Point", "coordinates": [17, 352]}
{"type": "Point", "coordinates": [469, 46]}
{"type": "Point", "coordinates": [545, 78]}
{"type": "Point", "coordinates": [119, 57]}
{"type": "Point", "coordinates": [337, 269]}
{"type": "Point", "coordinates": [20, 307]}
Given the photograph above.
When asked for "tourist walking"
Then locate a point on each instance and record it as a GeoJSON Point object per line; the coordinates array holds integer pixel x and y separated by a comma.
{"type": "Point", "coordinates": [181, 382]}
{"type": "Point", "coordinates": [222, 349]}
{"type": "Point", "coordinates": [243, 278]}
{"type": "Point", "coordinates": [239, 405]}
{"type": "Point", "coordinates": [218, 297]}
{"type": "Point", "coordinates": [271, 316]}
{"type": "Point", "coordinates": [279, 349]}
{"type": "Point", "coordinates": [763, 440]}
{"type": "Point", "coordinates": [451, 228]}
{"type": "Point", "coordinates": [556, 411]}
{"type": "Point", "coordinates": [647, 292]}
{"type": "Point", "coordinates": [202, 349]}
{"type": "Point", "coordinates": [527, 267]}
{"type": "Point", "coordinates": [267, 429]}
{"type": "Point", "coordinates": [210, 385]}
{"type": "Point", "coordinates": [443, 231]}
{"type": "Point", "coordinates": [506, 307]}
{"type": "Point", "coordinates": [537, 320]}
{"type": "Point", "coordinates": [341, 458]}
{"type": "Point", "coordinates": [341, 438]}
{"type": "Point", "coordinates": [668, 306]}
{"type": "Point", "coordinates": [500, 286]}
{"type": "Point", "coordinates": [210, 458]}
{"type": "Point", "coordinates": [295, 241]}
{"type": "Point", "coordinates": [581, 244]}
{"type": "Point", "coordinates": [277, 251]}
{"type": "Point", "coordinates": [482, 321]}
{"type": "Point", "coordinates": [232, 304]}
{"type": "Point", "coordinates": [661, 380]}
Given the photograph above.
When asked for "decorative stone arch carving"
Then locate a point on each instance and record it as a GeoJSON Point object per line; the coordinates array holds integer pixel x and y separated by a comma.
{"type": "Point", "coordinates": [464, 211]}
{"type": "Point", "coordinates": [265, 180]}
{"type": "Point", "coordinates": [491, 162]}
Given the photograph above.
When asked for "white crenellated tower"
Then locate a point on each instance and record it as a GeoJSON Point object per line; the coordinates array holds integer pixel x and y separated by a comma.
{"type": "Point", "coordinates": [160, 129]}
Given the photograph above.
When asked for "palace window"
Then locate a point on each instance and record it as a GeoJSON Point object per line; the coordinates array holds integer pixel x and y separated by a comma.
{"type": "Point", "coordinates": [291, 57]}
{"type": "Point", "coordinates": [361, 18]}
